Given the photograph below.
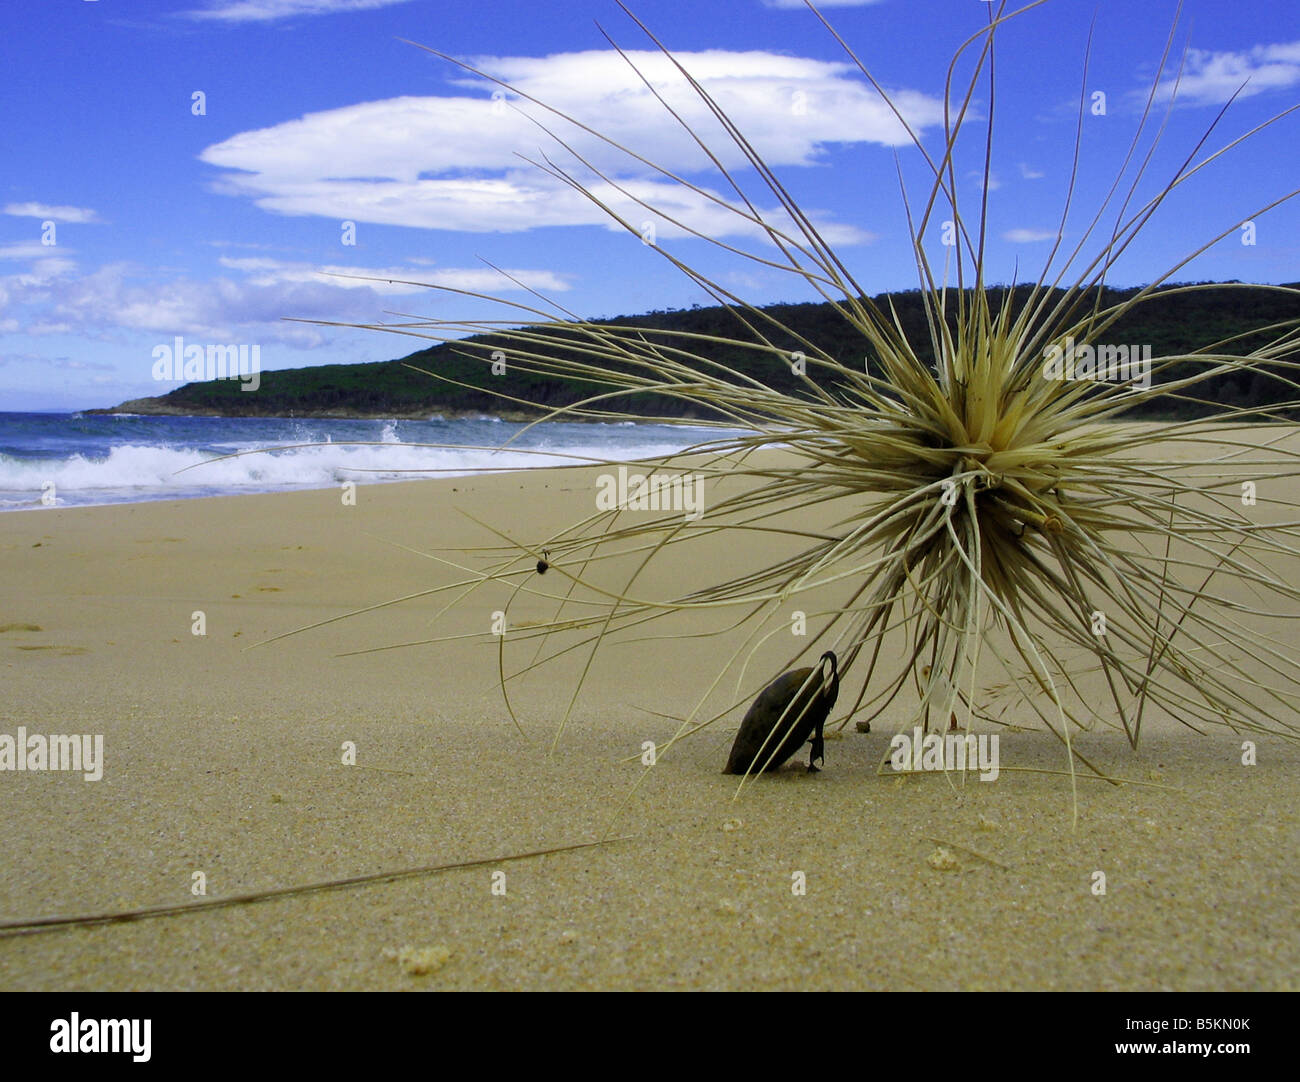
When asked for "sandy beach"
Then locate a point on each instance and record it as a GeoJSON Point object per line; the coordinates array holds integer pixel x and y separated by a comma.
{"type": "Point", "coordinates": [228, 762]}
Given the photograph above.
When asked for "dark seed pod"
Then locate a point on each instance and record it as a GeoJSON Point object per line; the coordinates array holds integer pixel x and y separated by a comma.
{"type": "Point", "coordinates": [542, 565]}
{"type": "Point", "coordinates": [782, 718]}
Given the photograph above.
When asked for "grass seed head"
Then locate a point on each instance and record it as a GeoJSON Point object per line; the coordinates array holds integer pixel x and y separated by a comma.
{"type": "Point", "coordinates": [974, 519]}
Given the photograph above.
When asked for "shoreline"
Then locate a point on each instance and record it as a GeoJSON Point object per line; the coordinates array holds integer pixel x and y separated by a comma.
{"type": "Point", "coordinates": [94, 463]}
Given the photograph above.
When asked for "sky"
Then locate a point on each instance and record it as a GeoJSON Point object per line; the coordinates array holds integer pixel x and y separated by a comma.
{"type": "Point", "coordinates": [225, 170]}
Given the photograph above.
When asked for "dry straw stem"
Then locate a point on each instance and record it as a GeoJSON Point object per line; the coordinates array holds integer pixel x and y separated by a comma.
{"type": "Point", "coordinates": [37, 925]}
{"type": "Point", "coordinates": [985, 513]}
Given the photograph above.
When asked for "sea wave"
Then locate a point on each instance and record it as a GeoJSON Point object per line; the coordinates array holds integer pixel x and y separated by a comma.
{"type": "Point", "coordinates": [131, 472]}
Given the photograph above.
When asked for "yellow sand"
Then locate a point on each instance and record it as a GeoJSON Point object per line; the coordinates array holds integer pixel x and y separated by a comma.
{"type": "Point", "coordinates": [228, 761]}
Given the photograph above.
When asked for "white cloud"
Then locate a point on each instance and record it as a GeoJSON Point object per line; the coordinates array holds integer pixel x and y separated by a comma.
{"type": "Point", "coordinates": [1029, 173]}
{"type": "Point", "coordinates": [1211, 78]}
{"type": "Point", "coordinates": [977, 177]}
{"type": "Point", "coordinates": [30, 249]}
{"type": "Point", "coordinates": [452, 162]}
{"type": "Point", "coordinates": [250, 304]}
{"type": "Point", "coordinates": [76, 215]}
{"type": "Point", "coordinates": [119, 297]}
{"type": "Point", "coordinates": [54, 362]}
{"type": "Point", "coordinates": [397, 280]}
{"type": "Point", "coordinates": [241, 11]}
{"type": "Point", "coordinates": [1028, 236]}
{"type": "Point", "coordinates": [44, 271]}
{"type": "Point", "coordinates": [44, 267]}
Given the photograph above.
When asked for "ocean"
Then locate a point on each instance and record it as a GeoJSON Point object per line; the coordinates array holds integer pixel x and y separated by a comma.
{"type": "Point", "coordinates": [77, 460]}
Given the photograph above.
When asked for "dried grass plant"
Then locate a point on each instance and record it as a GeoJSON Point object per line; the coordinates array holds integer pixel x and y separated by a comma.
{"type": "Point", "coordinates": [987, 515]}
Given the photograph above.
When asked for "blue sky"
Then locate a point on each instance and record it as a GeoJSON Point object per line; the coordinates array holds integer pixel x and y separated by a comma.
{"type": "Point", "coordinates": [214, 223]}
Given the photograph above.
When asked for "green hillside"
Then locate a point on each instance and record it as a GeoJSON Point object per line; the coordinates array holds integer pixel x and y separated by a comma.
{"type": "Point", "coordinates": [1169, 324]}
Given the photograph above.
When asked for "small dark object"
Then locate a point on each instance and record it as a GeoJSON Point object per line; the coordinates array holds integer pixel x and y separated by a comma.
{"type": "Point", "coordinates": [777, 719]}
{"type": "Point", "coordinates": [542, 565]}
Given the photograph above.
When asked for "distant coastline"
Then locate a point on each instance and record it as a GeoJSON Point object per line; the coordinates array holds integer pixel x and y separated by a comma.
{"type": "Point", "coordinates": [454, 380]}
{"type": "Point", "coordinates": [159, 407]}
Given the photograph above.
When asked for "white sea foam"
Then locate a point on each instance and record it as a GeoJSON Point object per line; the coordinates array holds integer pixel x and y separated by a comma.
{"type": "Point", "coordinates": [132, 472]}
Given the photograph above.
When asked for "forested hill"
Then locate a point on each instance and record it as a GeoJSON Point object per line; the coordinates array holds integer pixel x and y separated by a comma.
{"type": "Point", "coordinates": [1167, 323]}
